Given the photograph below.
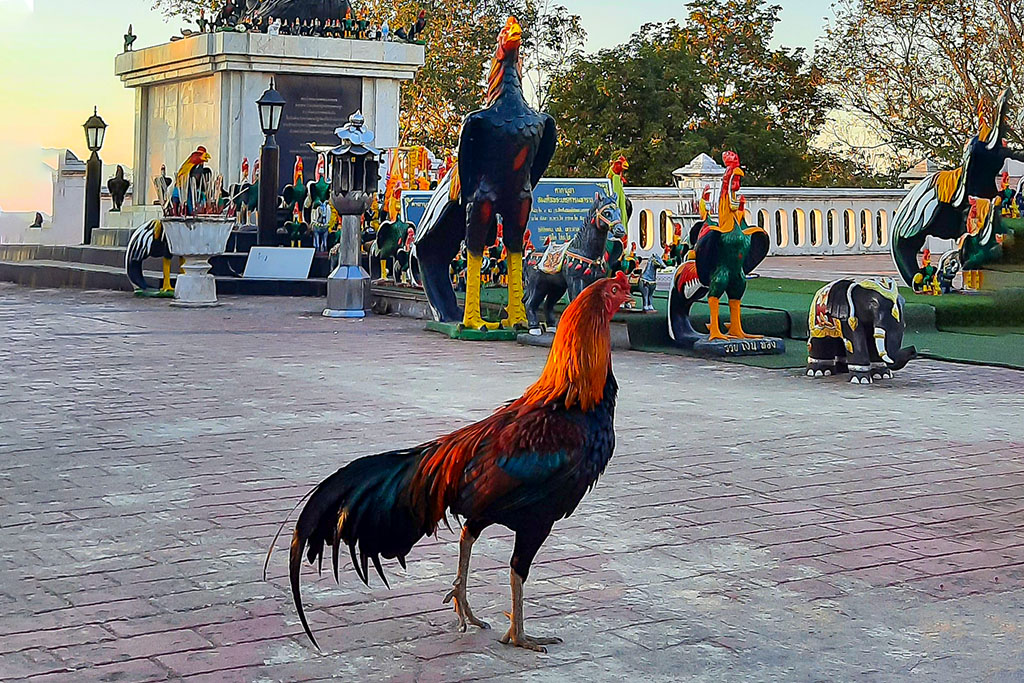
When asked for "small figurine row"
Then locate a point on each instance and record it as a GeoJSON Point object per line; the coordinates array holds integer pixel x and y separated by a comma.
{"type": "Point", "coordinates": [353, 28]}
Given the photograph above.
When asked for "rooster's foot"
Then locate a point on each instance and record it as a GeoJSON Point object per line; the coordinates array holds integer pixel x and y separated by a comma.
{"type": "Point", "coordinates": [520, 639]}
{"type": "Point", "coordinates": [462, 608]}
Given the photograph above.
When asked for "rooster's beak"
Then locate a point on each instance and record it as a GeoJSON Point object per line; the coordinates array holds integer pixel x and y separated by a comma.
{"type": "Point", "coordinates": [513, 33]}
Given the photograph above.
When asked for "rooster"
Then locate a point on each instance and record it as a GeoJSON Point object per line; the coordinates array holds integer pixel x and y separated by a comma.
{"type": "Point", "coordinates": [525, 467]}
{"type": "Point", "coordinates": [504, 149]}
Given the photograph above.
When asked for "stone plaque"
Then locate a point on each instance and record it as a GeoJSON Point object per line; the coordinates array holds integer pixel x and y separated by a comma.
{"type": "Point", "coordinates": [315, 106]}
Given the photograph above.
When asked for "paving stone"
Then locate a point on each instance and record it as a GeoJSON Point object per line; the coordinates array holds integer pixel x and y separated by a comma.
{"type": "Point", "coordinates": [749, 528]}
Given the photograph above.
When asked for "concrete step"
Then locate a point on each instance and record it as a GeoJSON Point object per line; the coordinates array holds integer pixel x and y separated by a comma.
{"type": "Point", "coordinates": [111, 237]}
{"type": "Point", "coordinates": [83, 254]}
{"type": "Point", "coordinates": [61, 274]}
{"type": "Point", "coordinates": [54, 273]}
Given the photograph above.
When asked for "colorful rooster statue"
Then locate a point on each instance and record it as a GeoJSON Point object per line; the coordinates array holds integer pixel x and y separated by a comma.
{"type": "Point", "coordinates": [939, 204]}
{"type": "Point", "coordinates": [294, 197]}
{"type": "Point", "coordinates": [192, 185]}
{"type": "Point", "coordinates": [244, 198]}
{"type": "Point", "coordinates": [322, 216]}
{"type": "Point", "coordinates": [988, 230]}
{"type": "Point", "coordinates": [525, 467]}
{"type": "Point", "coordinates": [504, 149]}
{"type": "Point", "coordinates": [726, 251]}
{"type": "Point", "coordinates": [617, 174]}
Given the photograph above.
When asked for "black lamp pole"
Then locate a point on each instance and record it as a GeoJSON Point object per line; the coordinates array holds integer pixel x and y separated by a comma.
{"type": "Point", "coordinates": [95, 130]}
{"type": "Point", "coordinates": [270, 105]}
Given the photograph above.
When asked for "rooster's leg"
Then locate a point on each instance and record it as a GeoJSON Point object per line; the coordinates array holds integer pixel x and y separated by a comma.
{"type": "Point", "coordinates": [516, 635]}
{"type": "Point", "coordinates": [166, 286]}
{"type": "Point", "coordinates": [458, 593]}
{"type": "Point", "coordinates": [714, 328]}
{"type": "Point", "coordinates": [516, 308]}
{"type": "Point", "coordinates": [472, 319]}
{"type": "Point", "coordinates": [735, 327]}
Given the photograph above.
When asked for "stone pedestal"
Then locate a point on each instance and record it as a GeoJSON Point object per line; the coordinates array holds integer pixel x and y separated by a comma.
{"type": "Point", "coordinates": [196, 240]}
{"type": "Point", "coordinates": [203, 90]}
{"type": "Point", "coordinates": [348, 287]}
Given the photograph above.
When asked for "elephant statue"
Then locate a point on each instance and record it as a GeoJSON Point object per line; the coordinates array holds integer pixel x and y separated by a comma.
{"type": "Point", "coordinates": [857, 326]}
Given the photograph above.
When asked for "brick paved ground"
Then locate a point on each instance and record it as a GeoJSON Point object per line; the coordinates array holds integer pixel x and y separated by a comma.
{"type": "Point", "coordinates": [753, 525]}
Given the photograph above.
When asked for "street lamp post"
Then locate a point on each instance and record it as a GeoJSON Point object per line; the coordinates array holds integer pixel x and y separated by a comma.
{"type": "Point", "coordinates": [270, 104]}
{"type": "Point", "coordinates": [95, 132]}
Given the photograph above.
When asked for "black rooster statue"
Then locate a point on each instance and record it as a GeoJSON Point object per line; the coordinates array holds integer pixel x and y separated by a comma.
{"type": "Point", "coordinates": [118, 187]}
{"type": "Point", "coordinates": [939, 204]}
{"type": "Point", "coordinates": [149, 241]}
{"type": "Point", "coordinates": [504, 149]}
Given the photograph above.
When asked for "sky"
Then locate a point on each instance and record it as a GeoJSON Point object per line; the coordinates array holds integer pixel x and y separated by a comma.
{"type": "Point", "coordinates": [57, 62]}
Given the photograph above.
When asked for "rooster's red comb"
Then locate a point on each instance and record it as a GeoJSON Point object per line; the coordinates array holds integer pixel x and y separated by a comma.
{"type": "Point", "coordinates": [731, 159]}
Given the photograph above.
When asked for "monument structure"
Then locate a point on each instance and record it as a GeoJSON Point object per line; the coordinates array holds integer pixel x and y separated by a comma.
{"type": "Point", "coordinates": [203, 90]}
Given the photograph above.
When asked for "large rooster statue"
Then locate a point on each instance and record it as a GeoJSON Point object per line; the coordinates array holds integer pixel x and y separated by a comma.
{"type": "Point", "coordinates": [725, 252]}
{"type": "Point", "coordinates": [525, 467]}
{"type": "Point", "coordinates": [148, 241]}
{"type": "Point", "coordinates": [939, 204]}
{"type": "Point", "coordinates": [504, 150]}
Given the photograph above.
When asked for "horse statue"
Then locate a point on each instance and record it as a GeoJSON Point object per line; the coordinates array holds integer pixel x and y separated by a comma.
{"type": "Point", "coordinates": [570, 266]}
{"type": "Point", "coordinates": [649, 281]}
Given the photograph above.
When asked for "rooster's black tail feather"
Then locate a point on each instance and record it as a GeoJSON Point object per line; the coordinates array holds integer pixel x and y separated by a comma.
{"type": "Point", "coordinates": [365, 503]}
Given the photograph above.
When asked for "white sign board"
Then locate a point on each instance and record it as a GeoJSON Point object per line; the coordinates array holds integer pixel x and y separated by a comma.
{"type": "Point", "coordinates": [278, 263]}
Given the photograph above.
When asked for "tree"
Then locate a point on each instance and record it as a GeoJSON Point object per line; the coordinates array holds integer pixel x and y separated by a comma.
{"type": "Point", "coordinates": [553, 40]}
{"type": "Point", "coordinates": [461, 37]}
{"type": "Point", "coordinates": [187, 9]}
{"type": "Point", "coordinates": [916, 70]}
{"type": "Point", "coordinates": [708, 84]}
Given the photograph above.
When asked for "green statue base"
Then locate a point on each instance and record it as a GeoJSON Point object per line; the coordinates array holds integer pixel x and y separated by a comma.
{"type": "Point", "coordinates": [154, 293]}
{"type": "Point", "coordinates": [732, 348]}
{"type": "Point", "coordinates": [457, 331]}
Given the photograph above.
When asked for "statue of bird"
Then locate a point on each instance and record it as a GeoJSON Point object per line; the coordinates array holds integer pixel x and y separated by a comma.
{"type": "Point", "coordinates": [149, 241]}
{"type": "Point", "coordinates": [939, 204]}
{"type": "Point", "coordinates": [191, 184]}
{"type": "Point", "coordinates": [504, 149]}
{"type": "Point", "coordinates": [118, 188]}
{"type": "Point", "coordinates": [294, 197]}
{"type": "Point", "coordinates": [163, 185]}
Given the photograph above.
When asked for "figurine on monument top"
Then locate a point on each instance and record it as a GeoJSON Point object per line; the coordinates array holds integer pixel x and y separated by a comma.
{"type": "Point", "coordinates": [118, 188]}
{"type": "Point", "coordinates": [292, 11]}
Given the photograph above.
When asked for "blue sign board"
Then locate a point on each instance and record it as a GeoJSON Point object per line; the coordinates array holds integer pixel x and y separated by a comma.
{"type": "Point", "coordinates": [560, 206]}
{"type": "Point", "coordinates": [414, 205]}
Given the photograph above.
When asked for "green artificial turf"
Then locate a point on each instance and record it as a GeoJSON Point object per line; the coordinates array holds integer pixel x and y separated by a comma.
{"type": "Point", "coordinates": [985, 328]}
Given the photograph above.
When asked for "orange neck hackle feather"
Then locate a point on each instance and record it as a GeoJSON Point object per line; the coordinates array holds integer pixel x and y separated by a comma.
{"type": "Point", "coordinates": [581, 355]}
{"type": "Point", "coordinates": [506, 55]}
{"type": "Point", "coordinates": [575, 375]}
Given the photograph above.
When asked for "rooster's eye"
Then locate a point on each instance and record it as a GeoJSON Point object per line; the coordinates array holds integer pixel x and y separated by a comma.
{"type": "Point", "coordinates": [615, 289]}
